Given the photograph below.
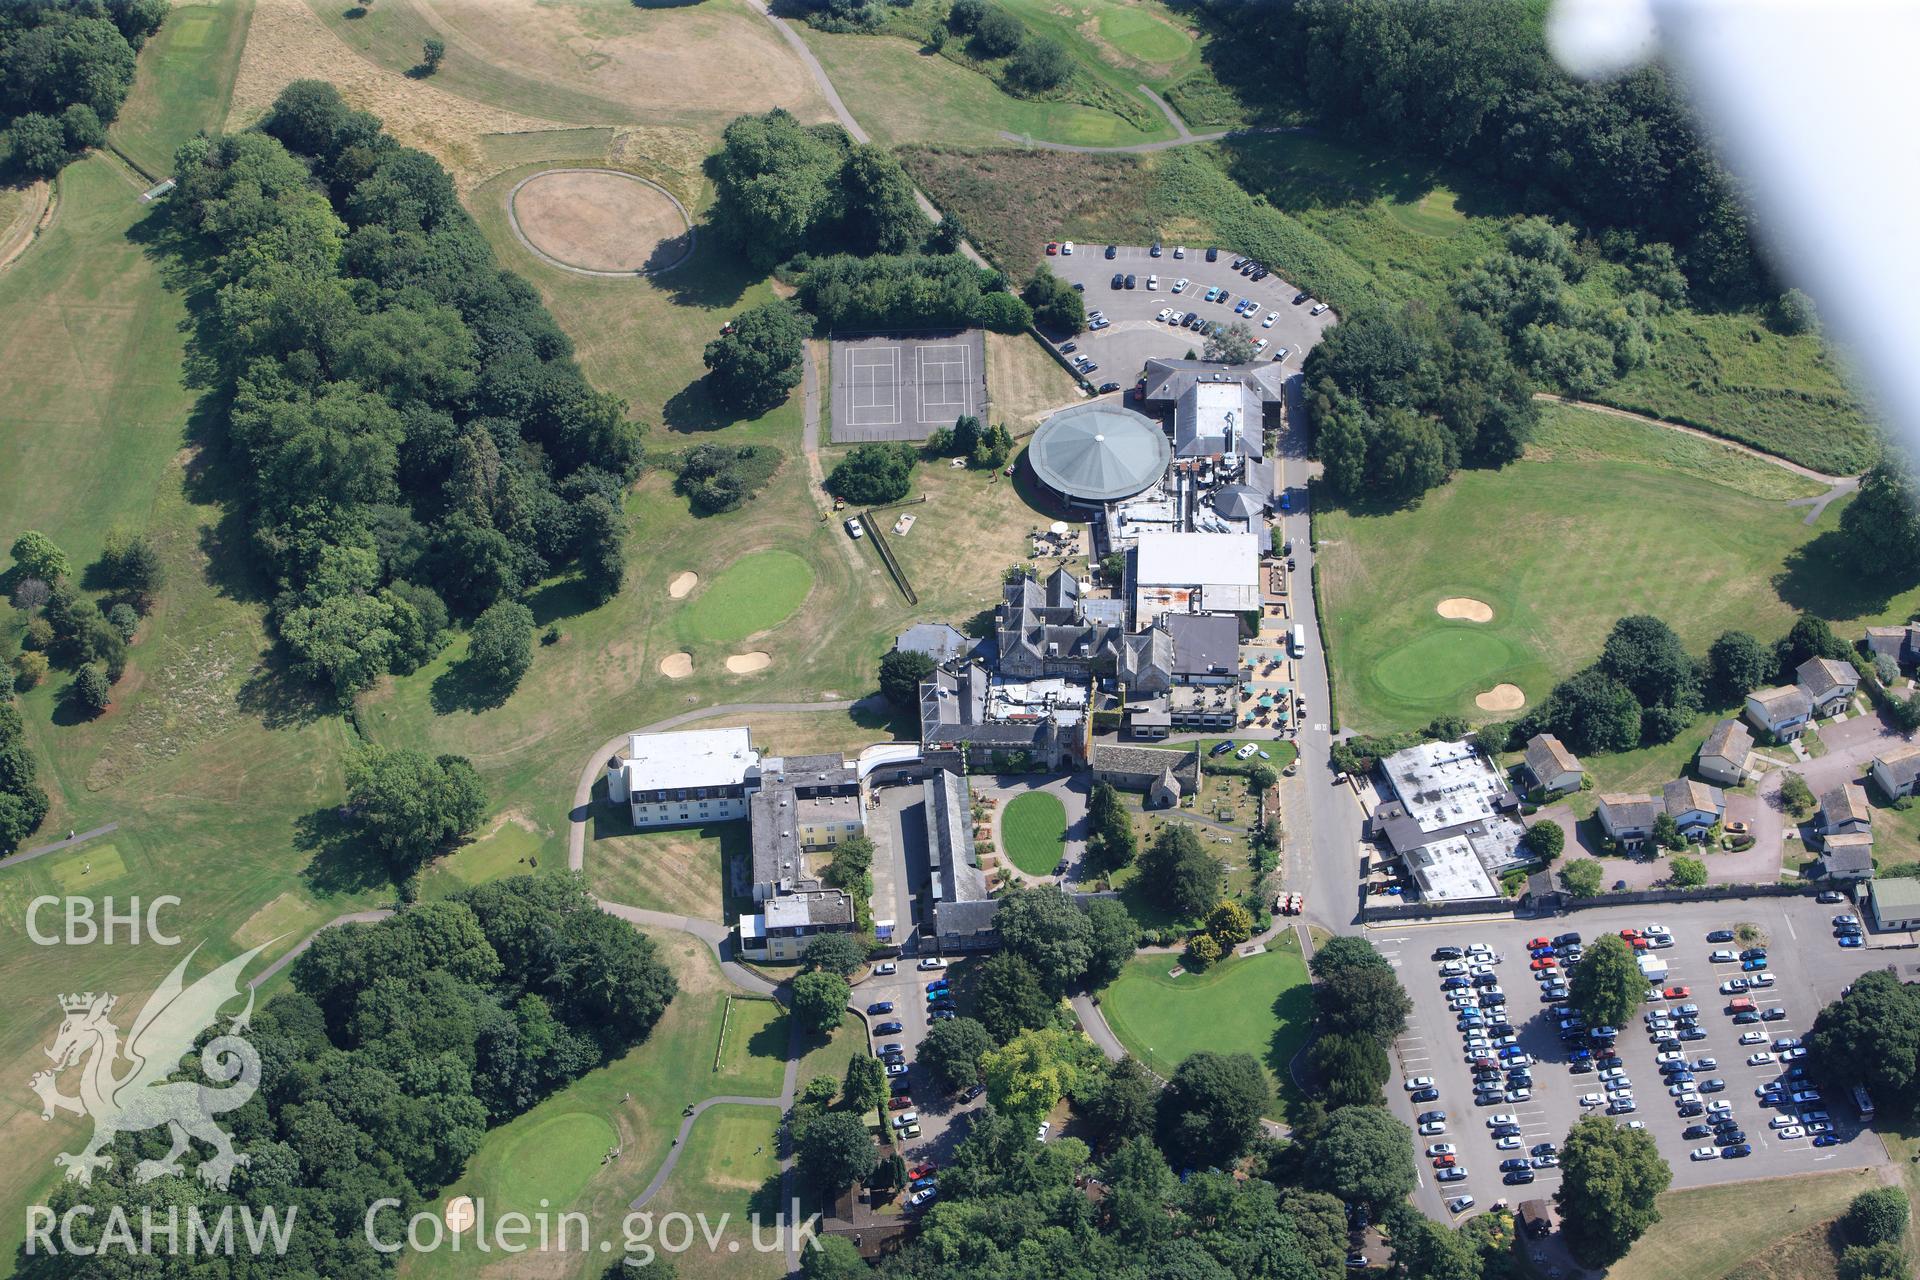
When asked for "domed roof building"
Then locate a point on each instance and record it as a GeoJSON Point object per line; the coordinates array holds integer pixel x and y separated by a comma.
{"type": "Point", "coordinates": [1096, 453]}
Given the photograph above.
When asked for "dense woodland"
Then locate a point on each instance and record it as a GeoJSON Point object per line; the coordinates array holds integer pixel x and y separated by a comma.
{"type": "Point", "coordinates": [410, 436]}
{"type": "Point", "coordinates": [65, 68]}
{"type": "Point", "coordinates": [400, 1045]}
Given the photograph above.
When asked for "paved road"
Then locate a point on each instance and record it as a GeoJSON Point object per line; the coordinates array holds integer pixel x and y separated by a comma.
{"type": "Point", "coordinates": [58, 845]}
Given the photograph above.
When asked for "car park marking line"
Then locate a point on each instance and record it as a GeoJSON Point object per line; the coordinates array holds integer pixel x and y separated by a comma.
{"type": "Point", "coordinates": [1790, 932]}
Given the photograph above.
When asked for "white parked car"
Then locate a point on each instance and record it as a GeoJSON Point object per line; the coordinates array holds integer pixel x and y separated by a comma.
{"type": "Point", "coordinates": [1318, 308]}
{"type": "Point", "coordinates": [1782, 1122]}
{"type": "Point", "coordinates": [1723, 956]}
{"type": "Point", "coordinates": [932, 962]}
{"type": "Point", "coordinates": [1753, 1037]}
{"type": "Point", "coordinates": [1271, 317]}
{"type": "Point", "coordinates": [1764, 978]}
{"type": "Point", "coordinates": [1165, 312]}
{"type": "Point", "coordinates": [1153, 282]}
{"type": "Point", "coordinates": [1180, 285]}
{"type": "Point", "coordinates": [1067, 248]}
{"type": "Point", "coordinates": [1442, 1149]}
{"type": "Point", "coordinates": [1046, 1127]}
{"type": "Point", "coordinates": [1793, 1131]}
{"type": "Point", "coordinates": [1259, 346]}
{"type": "Point", "coordinates": [1500, 1118]}
{"type": "Point", "coordinates": [1755, 1059]}
{"type": "Point", "coordinates": [1591, 1099]}
{"type": "Point", "coordinates": [1419, 1082]}
{"type": "Point", "coordinates": [1720, 1107]}
{"type": "Point", "coordinates": [1432, 1127]}
{"type": "Point", "coordinates": [1671, 1055]}
{"type": "Point", "coordinates": [1706, 1153]}
{"type": "Point", "coordinates": [1507, 1143]}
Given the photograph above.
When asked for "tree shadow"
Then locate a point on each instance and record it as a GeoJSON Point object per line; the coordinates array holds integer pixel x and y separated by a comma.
{"type": "Point", "coordinates": [770, 1041]}
{"type": "Point", "coordinates": [281, 699]}
{"type": "Point", "coordinates": [692, 409]}
{"type": "Point", "coordinates": [567, 597]}
{"type": "Point", "coordinates": [764, 1204]}
{"type": "Point", "coordinates": [1818, 579]}
{"type": "Point", "coordinates": [339, 861]}
{"type": "Point", "coordinates": [1294, 1008]}
{"type": "Point", "coordinates": [711, 280]}
{"type": "Point", "coordinates": [462, 687]}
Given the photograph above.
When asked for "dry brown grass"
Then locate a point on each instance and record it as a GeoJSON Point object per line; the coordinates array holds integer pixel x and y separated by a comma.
{"type": "Point", "coordinates": [600, 220]}
{"type": "Point", "coordinates": [1013, 202]}
{"type": "Point", "coordinates": [21, 209]}
{"type": "Point", "coordinates": [1024, 382]}
{"type": "Point", "coordinates": [287, 42]}
{"type": "Point", "coordinates": [700, 64]}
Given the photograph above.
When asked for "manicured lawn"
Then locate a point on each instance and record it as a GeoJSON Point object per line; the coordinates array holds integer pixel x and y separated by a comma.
{"type": "Point", "coordinates": [1560, 546]}
{"type": "Point", "coordinates": [729, 1172]}
{"type": "Point", "coordinates": [1260, 1005]}
{"type": "Point", "coordinates": [1710, 1233]}
{"type": "Point", "coordinates": [828, 1055]}
{"type": "Point", "coordinates": [755, 593]}
{"type": "Point", "coordinates": [1034, 827]}
{"type": "Point", "coordinates": [184, 82]}
{"type": "Point", "coordinates": [551, 1160]}
{"type": "Point", "coordinates": [754, 1045]}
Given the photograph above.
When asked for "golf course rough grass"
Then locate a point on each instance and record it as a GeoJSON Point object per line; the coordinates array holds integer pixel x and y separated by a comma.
{"type": "Point", "coordinates": [1260, 1005]}
{"type": "Point", "coordinates": [755, 593]}
{"type": "Point", "coordinates": [1034, 829]}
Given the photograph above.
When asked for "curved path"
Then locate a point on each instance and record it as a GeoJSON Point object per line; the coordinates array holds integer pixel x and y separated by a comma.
{"type": "Point", "coordinates": [352, 917]}
{"type": "Point", "coordinates": [526, 242]}
{"type": "Point", "coordinates": [686, 1127]}
{"type": "Point", "coordinates": [1837, 486]}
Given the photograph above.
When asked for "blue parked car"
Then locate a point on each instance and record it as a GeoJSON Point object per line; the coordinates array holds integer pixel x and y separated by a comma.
{"type": "Point", "coordinates": [1751, 965]}
{"type": "Point", "coordinates": [1852, 940]}
{"type": "Point", "coordinates": [880, 1006]}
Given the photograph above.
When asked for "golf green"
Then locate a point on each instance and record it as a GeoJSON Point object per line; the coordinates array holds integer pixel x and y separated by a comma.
{"type": "Point", "coordinates": [1444, 663]}
{"type": "Point", "coordinates": [1034, 828]}
{"type": "Point", "coordinates": [1142, 35]}
{"type": "Point", "coordinates": [755, 593]}
{"type": "Point", "coordinates": [552, 1160]}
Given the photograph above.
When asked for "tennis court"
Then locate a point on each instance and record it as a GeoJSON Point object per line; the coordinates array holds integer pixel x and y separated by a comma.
{"type": "Point", "coordinates": [905, 388]}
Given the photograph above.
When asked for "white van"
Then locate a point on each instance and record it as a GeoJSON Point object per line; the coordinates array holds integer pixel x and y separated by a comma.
{"type": "Point", "coordinates": [1299, 641]}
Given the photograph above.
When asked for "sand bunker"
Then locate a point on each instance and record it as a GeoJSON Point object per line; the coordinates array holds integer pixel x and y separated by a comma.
{"type": "Point", "coordinates": [600, 220]}
{"type": "Point", "coordinates": [459, 1214]}
{"type": "Point", "coordinates": [741, 663]}
{"type": "Point", "coordinates": [683, 585]}
{"type": "Point", "coordinates": [1502, 697]}
{"type": "Point", "coordinates": [677, 666]}
{"type": "Point", "coordinates": [1465, 609]}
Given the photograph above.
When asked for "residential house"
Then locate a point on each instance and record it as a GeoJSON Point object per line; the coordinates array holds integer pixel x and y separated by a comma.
{"type": "Point", "coordinates": [1844, 811]}
{"type": "Point", "coordinates": [784, 926]}
{"type": "Point", "coordinates": [1628, 818]}
{"type": "Point", "coordinates": [1781, 712]}
{"type": "Point", "coordinates": [1723, 756]}
{"type": "Point", "coordinates": [1846, 857]}
{"type": "Point", "coordinates": [1898, 773]}
{"type": "Point", "coordinates": [1554, 768]}
{"type": "Point", "coordinates": [1828, 683]}
{"type": "Point", "coordinates": [1900, 645]}
{"type": "Point", "coordinates": [1694, 806]}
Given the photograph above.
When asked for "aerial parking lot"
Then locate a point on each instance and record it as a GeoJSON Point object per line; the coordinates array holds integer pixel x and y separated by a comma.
{"type": "Point", "coordinates": [1543, 1082]}
{"type": "Point", "coordinates": [1136, 334]}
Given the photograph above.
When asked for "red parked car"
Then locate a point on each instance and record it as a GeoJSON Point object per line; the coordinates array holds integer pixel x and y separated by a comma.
{"type": "Point", "coordinates": [1538, 943]}
{"type": "Point", "coordinates": [900, 1103]}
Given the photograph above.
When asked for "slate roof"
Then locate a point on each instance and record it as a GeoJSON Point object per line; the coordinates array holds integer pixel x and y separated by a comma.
{"type": "Point", "coordinates": [1843, 804]}
{"type": "Point", "coordinates": [1684, 795]}
{"type": "Point", "coordinates": [1848, 855]}
{"type": "Point", "coordinates": [937, 640]}
{"type": "Point", "coordinates": [1631, 810]}
{"type": "Point", "coordinates": [1144, 761]}
{"type": "Point", "coordinates": [1900, 643]}
{"type": "Point", "coordinates": [1145, 661]}
{"type": "Point", "coordinates": [1729, 740]}
{"type": "Point", "coordinates": [1903, 765]}
{"type": "Point", "coordinates": [1204, 644]}
{"type": "Point", "coordinates": [1547, 757]}
{"type": "Point", "coordinates": [1824, 677]}
{"type": "Point", "coordinates": [1783, 702]}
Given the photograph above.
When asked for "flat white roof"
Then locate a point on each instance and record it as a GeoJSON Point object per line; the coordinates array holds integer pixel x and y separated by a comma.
{"type": "Point", "coordinates": [1198, 560]}
{"type": "Point", "coordinates": [752, 927]}
{"type": "Point", "coordinates": [1444, 784]}
{"type": "Point", "coordinates": [1450, 869]}
{"type": "Point", "coordinates": [691, 758]}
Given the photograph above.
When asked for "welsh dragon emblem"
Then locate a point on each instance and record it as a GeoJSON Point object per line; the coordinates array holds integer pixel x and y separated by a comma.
{"type": "Point", "coordinates": [142, 1097]}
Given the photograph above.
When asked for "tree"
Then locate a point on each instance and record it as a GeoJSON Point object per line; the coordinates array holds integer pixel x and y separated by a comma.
{"type": "Point", "coordinates": [1037, 1068]}
{"type": "Point", "coordinates": [1645, 655]}
{"type": "Point", "coordinates": [1880, 528]}
{"type": "Point", "coordinates": [1113, 936]}
{"type": "Point", "coordinates": [874, 473]}
{"type": "Point", "coordinates": [852, 866]}
{"type": "Point", "coordinates": [1210, 1110]}
{"type": "Point", "coordinates": [1873, 1262]}
{"type": "Point", "coordinates": [38, 144]}
{"type": "Point", "coordinates": [1737, 664]}
{"type": "Point", "coordinates": [1057, 305]}
{"type": "Point", "coordinates": [996, 32]}
{"type": "Point", "coordinates": [1810, 637]}
{"type": "Point", "coordinates": [1230, 924]}
{"type": "Point", "coordinates": [89, 693]}
{"type": "Point", "coordinates": [1666, 831]}
{"type": "Point", "coordinates": [1179, 873]}
{"type": "Point", "coordinates": [432, 53]}
{"type": "Point", "coordinates": [951, 1051]}
{"type": "Point", "coordinates": [1047, 929]}
{"type": "Point", "coordinates": [833, 1258]}
{"type": "Point", "coordinates": [901, 672]}
{"type": "Point", "coordinates": [1546, 839]}
{"type": "Point", "coordinates": [965, 15]}
{"type": "Point", "coordinates": [834, 1149]}
{"type": "Point", "coordinates": [1344, 954]}
{"type": "Point", "coordinates": [1202, 953]}
{"type": "Point", "coordinates": [1008, 996]}
{"type": "Point", "coordinates": [1871, 1037]}
{"type": "Point", "coordinates": [756, 365]}
{"type": "Point", "coordinates": [1232, 345]}
{"type": "Point", "coordinates": [1875, 1217]}
{"type": "Point", "coordinates": [866, 1084]}
{"type": "Point", "coordinates": [1611, 1177]}
{"type": "Point", "coordinates": [1796, 796]}
{"type": "Point", "coordinates": [1111, 841]}
{"type": "Point", "coordinates": [840, 953]}
{"type": "Point", "coordinates": [993, 448]}
{"type": "Point", "coordinates": [37, 556]}
{"type": "Point", "coordinates": [1606, 982]}
{"type": "Point", "coordinates": [1363, 1002]}
{"type": "Point", "coordinates": [1040, 64]}
{"type": "Point", "coordinates": [29, 670]}
{"type": "Point", "coordinates": [1688, 873]}
{"type": "Point", "coordinates": [500, 646]}
{"type": "Point", "coordinates": [411, 807]}
{"type": "Point", "coordinates": [1363, 1155]}
{"type": "Point", "coordinates": [599, 536]}
{"type": "Point", "coordinates": [819, 998]}
{"type": "Point", "coordinates": [1581, 877]}
{"type": "Point", "coordinates": [1592, 712]}
{"type": "Point", "coordinates": [20, 817]}
{"type": "Point", "coordinates": [1121, 1103]}
{"type": "Point", "coordinates": [1354, 1067]}
{"type": "Point", "coordinates": [1793, 313]}
{"type": "Point", "coordinates": [1426, 1250]}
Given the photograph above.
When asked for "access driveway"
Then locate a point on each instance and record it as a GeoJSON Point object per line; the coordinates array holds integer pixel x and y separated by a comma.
{"type": "Point", "coordinates": [1136, 336]}
{"type": "Point", "coordinates": [1809, 971]}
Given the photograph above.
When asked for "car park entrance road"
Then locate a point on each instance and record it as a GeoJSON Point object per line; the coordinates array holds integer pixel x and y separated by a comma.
{"type": "Point", "coordinates": [1809, 972]}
